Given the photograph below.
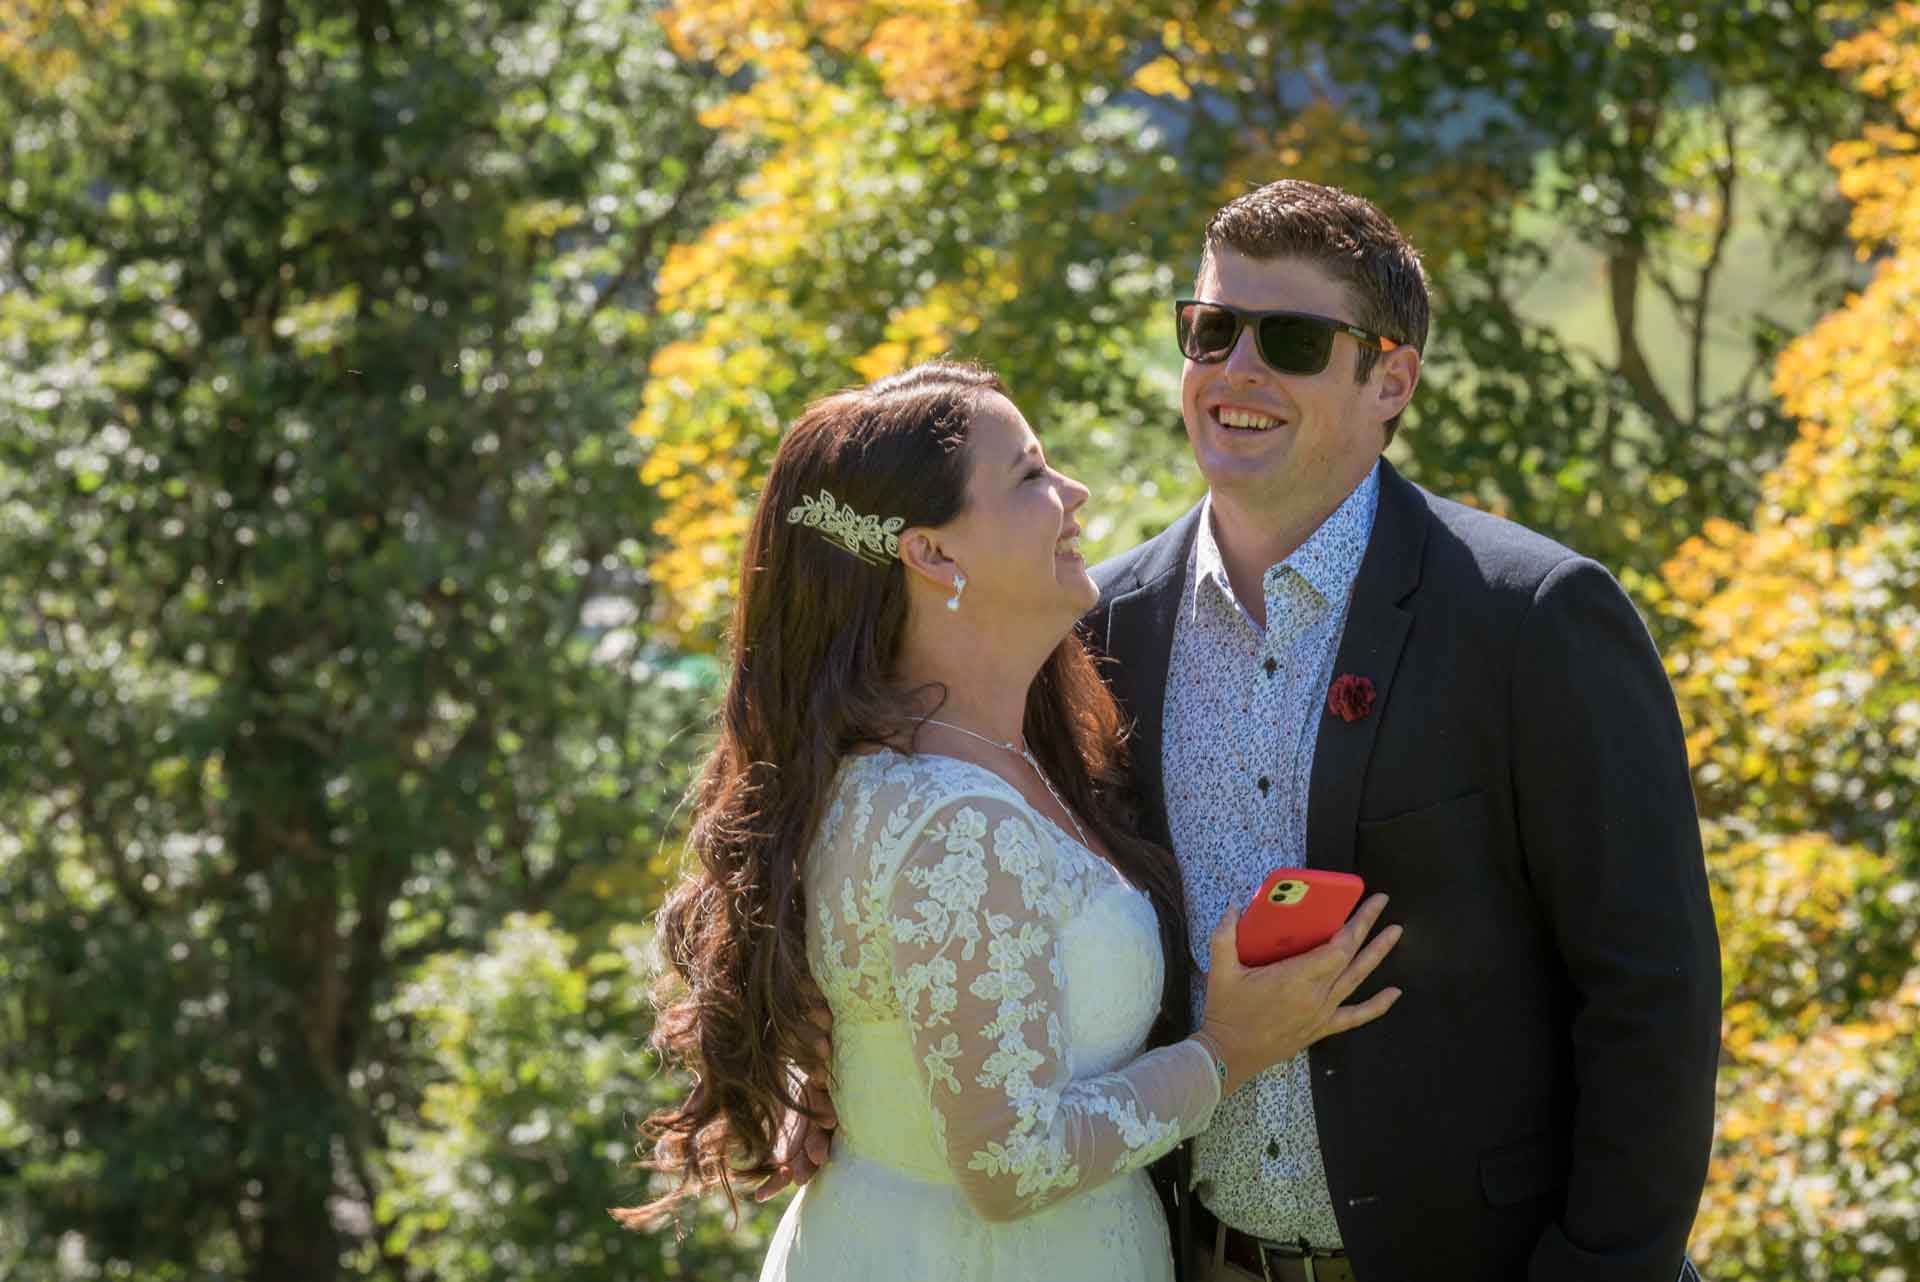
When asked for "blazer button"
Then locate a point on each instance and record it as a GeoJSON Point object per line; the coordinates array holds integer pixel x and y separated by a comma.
{"type": "Point", "coordinates": [1272, 666]}
{"type": "Point", "coordinates": [1265, 783]}
{"type": "Point", "coordinates": [1273, 1148]}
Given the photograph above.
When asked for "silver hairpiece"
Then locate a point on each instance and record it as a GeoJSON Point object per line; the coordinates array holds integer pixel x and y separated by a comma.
{"type": "Point", "coordinates": [867, 537]}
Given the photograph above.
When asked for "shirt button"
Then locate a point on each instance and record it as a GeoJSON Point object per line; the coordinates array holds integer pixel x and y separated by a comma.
{"type": "Point", "coordinates": [1272, 666]}
{"type": "Point", "coordinates": [1264, 784]}
{"type": "Point", "coordinates": [1273, 1148]}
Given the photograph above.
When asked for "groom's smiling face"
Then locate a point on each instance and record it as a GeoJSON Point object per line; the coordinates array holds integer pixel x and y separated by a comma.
{"type": "Point", "coordinates": [1263, 436]}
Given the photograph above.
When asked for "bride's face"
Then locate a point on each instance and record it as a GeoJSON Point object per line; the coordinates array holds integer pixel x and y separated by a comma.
{"type": "Point", "coordinates": [1018, 540]}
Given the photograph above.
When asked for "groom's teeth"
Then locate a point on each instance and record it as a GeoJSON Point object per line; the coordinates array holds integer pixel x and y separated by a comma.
{"type": "Point", "coordinates": [1246, 419]}
{"type": "Point", "coordinates": [1070, 547]}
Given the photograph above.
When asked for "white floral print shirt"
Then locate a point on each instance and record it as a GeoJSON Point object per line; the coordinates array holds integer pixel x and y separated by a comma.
{"type": "Point", "coordinates": [1242, 717]}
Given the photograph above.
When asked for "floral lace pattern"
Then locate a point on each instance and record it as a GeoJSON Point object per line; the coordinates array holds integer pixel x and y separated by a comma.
{"type": "Point", "coordinates": [944, 904]}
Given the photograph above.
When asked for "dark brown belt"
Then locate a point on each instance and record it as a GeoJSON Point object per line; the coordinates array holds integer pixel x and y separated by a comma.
{"type": "Point", "coordinates": [1281, 1263]}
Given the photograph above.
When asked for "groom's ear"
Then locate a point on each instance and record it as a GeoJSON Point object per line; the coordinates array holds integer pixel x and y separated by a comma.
{"type": "Point", "coordinates": [1395, 377]}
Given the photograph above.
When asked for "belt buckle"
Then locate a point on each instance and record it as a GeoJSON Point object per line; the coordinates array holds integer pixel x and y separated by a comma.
{"type": "Point", "coordinates": [1300, 1252]}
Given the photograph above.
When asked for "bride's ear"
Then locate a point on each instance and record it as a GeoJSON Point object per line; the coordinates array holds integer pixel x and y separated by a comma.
{"type": "Point", "coordinates": [921, 552]}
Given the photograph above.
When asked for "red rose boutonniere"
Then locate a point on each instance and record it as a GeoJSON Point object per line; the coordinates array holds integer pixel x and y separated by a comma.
{"type": "Point", "coordinates": [1350, 698]}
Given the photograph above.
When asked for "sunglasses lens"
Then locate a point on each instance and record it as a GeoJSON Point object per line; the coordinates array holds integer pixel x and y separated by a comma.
{"type": "Point", "coordinates": [1207, 333]}
{"type": "Point", "coordinates": [1295, 344]}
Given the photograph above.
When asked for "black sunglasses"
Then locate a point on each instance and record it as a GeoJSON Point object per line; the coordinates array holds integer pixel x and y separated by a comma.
{"type": "Point", "coordinates": [1291, 342]}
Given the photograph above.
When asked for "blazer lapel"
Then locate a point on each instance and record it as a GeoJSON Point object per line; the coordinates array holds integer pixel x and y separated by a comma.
{"type": "Point", "coordinates": [1376, 629]}
{"type": "Point", "coordinates": [1140, 622]}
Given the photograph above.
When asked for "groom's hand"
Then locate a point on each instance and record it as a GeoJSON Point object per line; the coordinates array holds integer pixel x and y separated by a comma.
{"type": "Point", "coordinates": [804, 1141]}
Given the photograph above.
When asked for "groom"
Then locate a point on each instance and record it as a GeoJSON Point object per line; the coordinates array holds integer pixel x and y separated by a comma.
{"type": "Point", "coordinates": [1330, 667]}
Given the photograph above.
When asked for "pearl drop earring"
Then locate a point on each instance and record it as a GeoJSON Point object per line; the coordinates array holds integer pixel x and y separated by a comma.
{"type": "Point", "coordinates": [959, 586]}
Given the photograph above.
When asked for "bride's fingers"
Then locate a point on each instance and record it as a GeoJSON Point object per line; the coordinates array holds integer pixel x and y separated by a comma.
{"type": "Point", "coordinates": [773, 1184]}
{"type": "Point", "coordinates": [1331, 959]}
{"type": "Point", "coordinates": [1221, 944]}
{"type": "Point", "coordinates": [1365, 963]}
{"type": "Point", "coordinates": [1348, 1017]}
{"type": "Point", "coordinates": [1361, 924]}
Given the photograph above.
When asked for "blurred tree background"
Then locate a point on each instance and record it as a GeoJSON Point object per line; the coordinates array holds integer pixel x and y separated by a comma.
{"type": "Point", "coordinates": [383, 387]}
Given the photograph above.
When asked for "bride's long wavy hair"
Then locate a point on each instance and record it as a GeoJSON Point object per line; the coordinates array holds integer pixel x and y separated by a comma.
{"type": "Point", "coordinates": [815, 637]}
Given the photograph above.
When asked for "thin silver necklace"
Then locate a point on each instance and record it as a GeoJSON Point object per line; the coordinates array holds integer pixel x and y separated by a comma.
{"type": "Point", "coordinates": [1021, 750]}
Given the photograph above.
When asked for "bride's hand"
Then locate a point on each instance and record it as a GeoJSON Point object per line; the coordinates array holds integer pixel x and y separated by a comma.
{"type": "Point", "coordinates": [1258, 1016]}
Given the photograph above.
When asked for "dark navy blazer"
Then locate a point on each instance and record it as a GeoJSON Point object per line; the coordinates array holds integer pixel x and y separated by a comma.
{"type": "Point", "coordinates": [1539, 1103]}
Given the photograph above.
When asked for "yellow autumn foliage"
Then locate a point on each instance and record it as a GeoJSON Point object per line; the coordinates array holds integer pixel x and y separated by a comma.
{"type": "Point", "coordinates": [1799, 674]}
{"type": "Point", "coordinates": [938, 56]}
{"type": "Point", "coordinates": [1161, 77]}
{"type": "Point", "coordinates": [26, 25]}
{"type": "Point", "coordinates": [835, 161]}
{"type": "Point", "coordinates": [921, 332]}
{"type": "Point", "coordinates": [1800, 687]}
{"type": "Point", "coordinates": [708, 515]}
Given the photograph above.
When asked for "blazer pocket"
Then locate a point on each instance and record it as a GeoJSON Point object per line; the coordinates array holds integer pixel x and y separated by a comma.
{"type": "Point", "coordinates": [1459, 823]}
{"type": "Point", "coordinates": [1515, 1172]}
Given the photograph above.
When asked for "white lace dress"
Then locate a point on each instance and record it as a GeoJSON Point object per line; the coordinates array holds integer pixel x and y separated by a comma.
{"type": "Point", "coordinates": [992, 983]}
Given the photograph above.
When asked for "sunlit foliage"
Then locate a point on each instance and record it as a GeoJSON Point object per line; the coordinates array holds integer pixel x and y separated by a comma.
{"type": "Point", "coordinates": [1027, 183]}
{"type": "Point", "coordinates": [525, 1053]}
{"type": "Point", "coordinates": [322, 556]}
{"type": "Point", "coordinates": [942, 178]}
{"type": "Point", "coordinates": [383, 387]}
{"type": "Point", "coordinates": [1801, 687]}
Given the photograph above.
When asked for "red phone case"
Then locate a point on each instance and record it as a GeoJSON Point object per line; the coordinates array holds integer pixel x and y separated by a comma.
{"type": "Point", "coordinates": [1294, 910]}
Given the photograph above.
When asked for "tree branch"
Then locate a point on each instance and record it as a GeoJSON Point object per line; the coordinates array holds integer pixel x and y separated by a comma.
{"type": "Point", "coordinates": [696, 157]}
{"type": "Point", "coordinates": [1623, 285]}
{"type": "Point", "coordinates": [1726, 176]}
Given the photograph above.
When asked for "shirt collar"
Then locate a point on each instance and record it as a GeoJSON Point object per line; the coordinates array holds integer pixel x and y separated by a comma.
{"type": "Point", "coordinates": [1329, 560]}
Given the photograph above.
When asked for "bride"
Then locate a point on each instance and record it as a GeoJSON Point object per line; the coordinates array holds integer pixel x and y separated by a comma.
{"type": "Point", "coordinates": [915, 811]}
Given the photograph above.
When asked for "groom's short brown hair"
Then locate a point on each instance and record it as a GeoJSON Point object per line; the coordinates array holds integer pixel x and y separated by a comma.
{"type": "Point", "coordinates": [1347, 236]}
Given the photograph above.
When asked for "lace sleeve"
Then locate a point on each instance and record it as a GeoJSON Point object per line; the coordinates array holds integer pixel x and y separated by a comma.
{"type": "Point", "coordinates": [976, 909]}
